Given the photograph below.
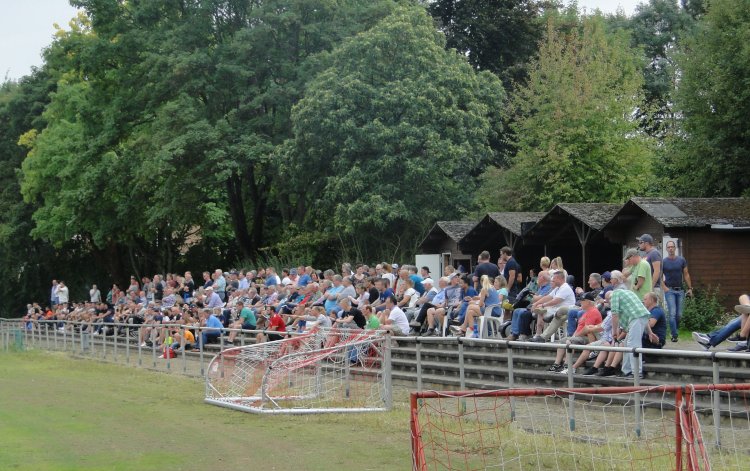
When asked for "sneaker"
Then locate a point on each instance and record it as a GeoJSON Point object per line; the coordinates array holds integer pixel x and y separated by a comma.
{"type": "Point", "coordinates": [523, 338]}
{"type": "Point", "coordinates": [538, 339]}
{"type": "Point", "coordinates": [593, 355]}
{"type": "Point", "coordinates": [702, 339]}
{"type": "Point", "coordinates": [740, 347]}
{"type": "Point", "coordinates": [555, 368]}
{"type": "Point", "coordinates": [511, 338]}
{"type": "Point", "coordinates": [414, 333]}
{"type": "Point", "coordinates": [607, 371]}
{"type": "Point", "coordinates": [737, 338]}
{"type": "Point", "coordinates": [144, 344]}
{"type": "Point", "coordinates": [564, 371]}
{"type": "Point", "coordinates": [674, 338]}
{"type": "Point", "coordinates": [742, 309]}
{"type": "Point", "coordinates": [429, 333]}
{"type": "Point", "coordinates": [590, 371]}
{"type": "Point", "coordinates": [415, 324]}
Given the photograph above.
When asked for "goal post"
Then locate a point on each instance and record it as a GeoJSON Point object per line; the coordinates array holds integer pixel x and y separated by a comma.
{"type": "Point", "coordinates": [580, 428]}
{"type": "Point", "coordinates": [325, 370]}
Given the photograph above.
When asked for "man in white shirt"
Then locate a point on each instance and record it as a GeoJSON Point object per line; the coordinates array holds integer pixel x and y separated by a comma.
{"type": "Point", "coordinates": [95, 295]}
{"type": "Point", "coordinates": [63, 295]}
{"type": "Point", "coordinates": [556, 304]}
{"type": "Point", "coordinates": [393, 319]}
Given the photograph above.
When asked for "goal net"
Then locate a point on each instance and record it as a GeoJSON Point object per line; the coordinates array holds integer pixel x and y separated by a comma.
{"type": "Point", "coordinates": [620, 428]}
{"type": "Point", "coordinates": [323, 370]}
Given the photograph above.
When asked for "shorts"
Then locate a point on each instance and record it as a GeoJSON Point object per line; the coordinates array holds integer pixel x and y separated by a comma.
{"type": "Point", "coordinates": [396, 330]}
{"type": "Point", "coordinates": [275, 337]}
{"type": "Point", "coordinates": [246, 326]}
{"type": "Point", "coordinates": [578, 340]}
{"type": "Point", "coordinates": [599, 343]}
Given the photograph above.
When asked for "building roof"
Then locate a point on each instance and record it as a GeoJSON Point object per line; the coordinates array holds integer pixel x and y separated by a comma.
{"type": "Point", "coordinates": [456, 230]}
{"type": "Point", "coordinates": [513, 221]}
{"type": "Point", "coordinates": [558, 223]}
{"type": "Point", "coordinates": [695, 212]}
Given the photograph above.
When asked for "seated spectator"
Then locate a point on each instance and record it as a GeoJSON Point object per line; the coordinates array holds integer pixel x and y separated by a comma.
{"type": "Point", "coordinates": [276, 329]}
{"type": "Point", "coordinates": [488, 297]}
{"type": "Point", "coordinates": [740, 323]}
{"type": "Point", "coordinates": [657, 321]}
{"type": "Point", "coordinates": [556, 304]}
{"type": "Point", "coordinates": [595, 286]}
{"type": "Point", "coordinates": [373, 322]}
{"type": "Point", "coordinates": [350, 317]}
{"type": "Point", "coordinates": [584, 334]}
{"type": "Point", "coordinates": [212, 330]}
{"type": "Point", "coordinates": [246, 320]}
{"type": "Point", "coordinates": [520, 327]}
{"type": "Point", "coordinates": [393, 319]}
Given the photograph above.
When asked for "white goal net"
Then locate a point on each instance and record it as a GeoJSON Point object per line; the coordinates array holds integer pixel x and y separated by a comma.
{"type": "Point", "coordinates": [323, 370]}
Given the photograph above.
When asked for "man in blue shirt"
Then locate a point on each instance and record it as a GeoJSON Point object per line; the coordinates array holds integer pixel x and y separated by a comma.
{"type": "Point", "coordinates": [657, 321]}
{"type": "Point", "coordinates": [520, 327]}
{"type": "Point", "coordinates": [211, 327]}
{"type": "Point", "coordinates": [675, 276]}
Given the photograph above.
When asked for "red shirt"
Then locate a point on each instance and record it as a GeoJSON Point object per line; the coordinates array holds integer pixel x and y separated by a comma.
{"type": "Point", "coordinates": [590, 317]}
{"type": "Point", "coordinates": [277, 323]}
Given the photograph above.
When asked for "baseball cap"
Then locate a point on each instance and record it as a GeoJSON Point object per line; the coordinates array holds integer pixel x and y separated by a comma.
{"type": "Point", "coordinates": [646, 238]}
{"type": "Point", "coordinates": [607, 276]}
{"type": "Point", "coordinates": [428, 281]}
{"type": "Point", "coordinates": [630, 253]}
{"type": "Point", "coordinates": [589, 296]}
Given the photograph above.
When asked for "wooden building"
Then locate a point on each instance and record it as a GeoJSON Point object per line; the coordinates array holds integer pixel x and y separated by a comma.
{"type": "Point", "coordinates": [713, 234]}
{"type": "Point", "coordinates": [573, 231]}
{"type": "Point", "coordinates": [443, 240]}
{"type": "Point", "coordinates": [497, 230]}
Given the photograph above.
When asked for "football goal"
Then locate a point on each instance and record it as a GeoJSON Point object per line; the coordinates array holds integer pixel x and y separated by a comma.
{"type": "Point", "coordinates": [324, 370]}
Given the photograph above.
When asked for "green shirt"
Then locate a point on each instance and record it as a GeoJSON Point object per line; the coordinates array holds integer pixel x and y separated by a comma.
{"type": "Point", "coordinates": [642, 269]}
{"type": "Point", "coordinates": [248, 316]}
{"type": "Point", "coordinates": [372, 323]}
{"type": "Point", "coordinates": [627, 306]}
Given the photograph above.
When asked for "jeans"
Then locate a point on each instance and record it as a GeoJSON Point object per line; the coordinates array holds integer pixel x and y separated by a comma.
{"type": "Point", "coordinates": [634, 339]}
{"type": "Point", "coordinates": [675, 300]}
{"type": "Point", "coordinates": [573, 320]}
{"type": "Point", "coordinates": [718, 336]}
{"type": "Point", "coordinates": [206, 335]}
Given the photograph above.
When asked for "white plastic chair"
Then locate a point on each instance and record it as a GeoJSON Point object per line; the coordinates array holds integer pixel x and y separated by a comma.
{"type": "Point", "coordinates": [487, 319]}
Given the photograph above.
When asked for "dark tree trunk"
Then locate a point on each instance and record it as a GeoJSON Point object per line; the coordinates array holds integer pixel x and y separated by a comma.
{"type": "Point", "coordinates": [239, 220]}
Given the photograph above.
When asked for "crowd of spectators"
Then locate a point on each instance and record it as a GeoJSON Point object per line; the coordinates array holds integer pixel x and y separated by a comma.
{"type": "Point", "coordinates": [617, 307]}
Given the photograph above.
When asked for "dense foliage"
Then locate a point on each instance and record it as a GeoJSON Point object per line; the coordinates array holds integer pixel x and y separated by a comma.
{"type": "Point", "coordinates": [161, 136]}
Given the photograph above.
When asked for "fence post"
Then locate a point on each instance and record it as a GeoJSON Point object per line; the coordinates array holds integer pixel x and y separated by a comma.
{"type": "Point", "coordinates": [511, 382]}
{"type": "Point", "coordinates": [200, 343]}
{"type": "Point", "coordinates": [571, 397]}
{"type": "Point", "coordinates": [716, 398]}
{"type": "Point", "coordinates": [419, 364]}
{"type": "Point", "coordinates": [637, 382]}
{"type": "Point", "coordinates": [183, 347]}
{"type": "Point", "coordinates": [387, 380]}
{"type": "Point", "coordinates": [461, 373]}
{"type": "Point", "coordinates": [678, 427]}
{"type": "Point", "coordinates": [115, 333]}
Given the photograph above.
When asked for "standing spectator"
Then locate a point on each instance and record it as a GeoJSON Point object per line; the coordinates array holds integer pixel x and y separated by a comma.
{"type": "Point", "coordinates": [220, 284]}
{"type": "Point", "coordinates": [653, 257]}
{"type": "Point", "coordinates": [134, 286]}
{"type": "Point", "coordinates": [63, 295]}
{"type": "Point", "coordinates": [148, 288]}
{"type": "Point", "coordinates": [630, 315]}
{"type": "Point", "coordinates": [675, 277]}
{"type": "Point", "coordinates": [95, 296]}
{"type": "Point", "coordinates": [639, 272]}
{"type": "Point", "coordinates": [510, 272]}
{"type": "Point", "coordinates": [484, 267]}
{"type": "Point", "coordinates": [53, 300]}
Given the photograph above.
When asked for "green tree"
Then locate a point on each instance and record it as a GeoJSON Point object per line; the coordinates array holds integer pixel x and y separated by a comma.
{"type": "Point", "coordinates": [709, 154]}
{"type": "Point", "coordinates": [658, 28]}
{"type": "Point", "coordinates": [390, 136]}
{"type": "Point", "coordinates": [500, 36]}
{"type": "Point", "coordinates": [576, 137]}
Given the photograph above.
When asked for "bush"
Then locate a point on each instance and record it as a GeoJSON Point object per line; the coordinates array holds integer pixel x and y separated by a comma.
{"type": "Point", "coordinates": [704, 311]}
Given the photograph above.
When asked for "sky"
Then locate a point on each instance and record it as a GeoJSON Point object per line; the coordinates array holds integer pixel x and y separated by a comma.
{"type": "Point", "coordinates": [26, 27]}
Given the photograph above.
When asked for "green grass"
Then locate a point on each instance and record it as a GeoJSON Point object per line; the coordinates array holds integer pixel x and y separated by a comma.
{"type": "Point", "coordinates": [58, 413]}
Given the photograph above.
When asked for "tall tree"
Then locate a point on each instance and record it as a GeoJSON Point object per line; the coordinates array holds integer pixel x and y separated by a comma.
{"type": "Point", "coordinates": [576, 137]}
{"type": "Point", "coordinates": [391, 134]}
{"type": "Point", "coordinates": [709, 156]}
{"type": "Point", "coordinates": [500, 36]}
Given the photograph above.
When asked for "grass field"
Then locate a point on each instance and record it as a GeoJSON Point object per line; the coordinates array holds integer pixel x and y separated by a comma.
{"type": "Point", "coordinates": [58, 413]}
